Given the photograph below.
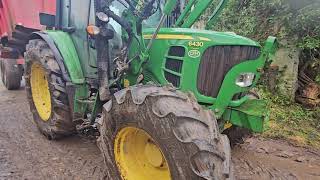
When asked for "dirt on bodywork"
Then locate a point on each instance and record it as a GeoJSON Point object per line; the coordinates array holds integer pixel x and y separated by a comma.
{"type": "Point", "coordinates": [26, 154]}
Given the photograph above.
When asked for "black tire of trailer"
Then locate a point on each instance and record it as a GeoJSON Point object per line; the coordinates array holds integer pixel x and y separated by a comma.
{"type": "Point", "coordinates": [11, 73]}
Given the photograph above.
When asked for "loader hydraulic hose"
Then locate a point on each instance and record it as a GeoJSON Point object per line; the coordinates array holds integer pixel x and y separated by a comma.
{"type": "Point", "coordinates": [125, 24]}
{"type": "Point", "coordinates": [101, 6]}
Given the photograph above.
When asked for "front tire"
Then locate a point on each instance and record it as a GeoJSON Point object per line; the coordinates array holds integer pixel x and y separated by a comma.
{"type": "Point", "coordinates": [158, 133]}
{"type": "Point", "coordinates": [46, 91]}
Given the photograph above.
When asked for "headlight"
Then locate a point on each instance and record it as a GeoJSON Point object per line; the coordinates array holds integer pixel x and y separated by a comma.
{"type": "Point", "coordinates": [245, 79]}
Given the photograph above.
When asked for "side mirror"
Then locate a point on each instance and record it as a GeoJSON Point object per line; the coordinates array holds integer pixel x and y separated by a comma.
{"type": "Point", "coordinates": [169, 7]}
{"type": "Point", "coordinates": [47, 20]}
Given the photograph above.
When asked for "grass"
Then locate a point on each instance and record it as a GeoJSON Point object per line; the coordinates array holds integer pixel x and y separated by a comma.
{"type": "Point", "coordinates": [291, 121]}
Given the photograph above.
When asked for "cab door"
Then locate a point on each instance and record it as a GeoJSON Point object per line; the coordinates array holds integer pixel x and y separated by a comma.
{"type": "Point", "coordinates": [78, 15]}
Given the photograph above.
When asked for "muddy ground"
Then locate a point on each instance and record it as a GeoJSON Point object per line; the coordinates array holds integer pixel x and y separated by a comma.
{"type": "Point", "coordinates": [26, 154]}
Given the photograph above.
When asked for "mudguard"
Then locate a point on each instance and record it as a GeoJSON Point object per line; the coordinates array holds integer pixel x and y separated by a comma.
{"type": "Point", "coordinates": [65, 54]}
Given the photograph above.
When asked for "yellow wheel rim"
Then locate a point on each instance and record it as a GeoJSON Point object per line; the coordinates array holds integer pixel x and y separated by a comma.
{"type": "Point", "coordinates": [138, 157]}
{"type": "Point", "coordinates": [40, 91]}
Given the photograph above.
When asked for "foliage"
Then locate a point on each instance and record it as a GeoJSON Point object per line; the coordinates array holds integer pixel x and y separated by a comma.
{"type": "Point", "coordinates": [307, 26]}
{"type": "Point", "coordinates": [291, 121]}
{"type": "Point", "coordinates": [285, 19]}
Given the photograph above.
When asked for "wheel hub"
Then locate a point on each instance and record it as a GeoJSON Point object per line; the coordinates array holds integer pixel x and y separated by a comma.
{"type": "Point", "coordinates": [154, 155]}
{"type": "Point", "coordinates": [40, 91]}
{"type": "Point", "coordinates": [138, 156]}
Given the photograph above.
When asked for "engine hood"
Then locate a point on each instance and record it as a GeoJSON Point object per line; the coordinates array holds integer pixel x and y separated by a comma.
{"type": "Point", "coordinates": [212, 37]}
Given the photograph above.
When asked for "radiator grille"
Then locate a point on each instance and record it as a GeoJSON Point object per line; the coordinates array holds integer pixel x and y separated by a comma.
{"type": "Point", "coordinates": [217, 61]}
{"type": "Point", "coordinates": [174, 65]}
{"type": "Point", "coordinates": [173, 79]}
{"type": "Point", "coordinates": [177, 51]}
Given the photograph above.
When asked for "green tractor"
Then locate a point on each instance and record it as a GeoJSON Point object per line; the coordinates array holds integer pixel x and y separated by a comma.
{"type": "Point", "coordinates": [156, 93]}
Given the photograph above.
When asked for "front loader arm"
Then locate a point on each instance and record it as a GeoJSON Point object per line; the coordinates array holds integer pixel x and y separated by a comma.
{"type": "Point", "coordinates": [195, 8]}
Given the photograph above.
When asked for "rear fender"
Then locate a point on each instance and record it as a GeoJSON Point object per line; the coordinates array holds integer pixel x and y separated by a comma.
{"type": "Point", "coordinates": [65, 53]}
{"type": "Point", "coordinates": [67, 58]}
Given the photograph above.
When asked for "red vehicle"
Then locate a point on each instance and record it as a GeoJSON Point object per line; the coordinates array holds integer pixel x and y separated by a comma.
{"type": "Point", "coordinates": [18, 19]}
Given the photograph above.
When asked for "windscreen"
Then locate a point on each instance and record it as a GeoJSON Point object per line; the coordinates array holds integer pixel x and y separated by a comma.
{"type": "Point", "coordinates": [118, 7]}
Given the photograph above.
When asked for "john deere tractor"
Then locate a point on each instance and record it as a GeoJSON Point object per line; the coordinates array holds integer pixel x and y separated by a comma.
{"type": "Point", "coordinates": [155, 92]}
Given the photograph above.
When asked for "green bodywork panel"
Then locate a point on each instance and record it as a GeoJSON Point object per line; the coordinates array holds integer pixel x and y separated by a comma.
{"type": "Point", "coordinates": [251, 114]}
{"type": "Point", "coordinates": [69, 54]}
{"type": "Point", "coordinates": [189, 73]}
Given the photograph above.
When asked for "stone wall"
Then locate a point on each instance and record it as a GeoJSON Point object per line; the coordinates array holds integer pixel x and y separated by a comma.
{"type": "Point", "coordinates": [287, 59]}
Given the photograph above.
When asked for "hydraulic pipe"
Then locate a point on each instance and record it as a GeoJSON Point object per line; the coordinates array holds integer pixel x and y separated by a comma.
{"type": "Point", "coordinates": [169, 7]}
{"type": "Point", "coordinates": [195, 8]}
{"type": "Point", "coordinates": [215, 15]}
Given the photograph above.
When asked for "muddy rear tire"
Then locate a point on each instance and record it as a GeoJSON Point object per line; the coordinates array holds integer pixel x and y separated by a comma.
{"type": "Point", "coordinates": [187, 135]}
{"type": "Point", "coordinates": [11, 73]}
{"type": "Point", "coordinates": [55, 121]}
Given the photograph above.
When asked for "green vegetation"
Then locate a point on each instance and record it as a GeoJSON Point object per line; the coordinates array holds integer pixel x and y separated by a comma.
{"type": "Point", "coordinates": [291, 20]}
{"type": "Point", "coordinates": [296, 24]}
{"type": "Point", "coordinates": [290, 120]}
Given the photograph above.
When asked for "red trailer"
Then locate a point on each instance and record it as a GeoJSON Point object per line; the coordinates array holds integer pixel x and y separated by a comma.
{"type": "Point", "coordinates": [18, 19]}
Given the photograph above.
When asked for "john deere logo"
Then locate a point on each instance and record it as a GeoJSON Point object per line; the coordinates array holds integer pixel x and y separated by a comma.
{"type": "Point", "coordinates": [194, 53]}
